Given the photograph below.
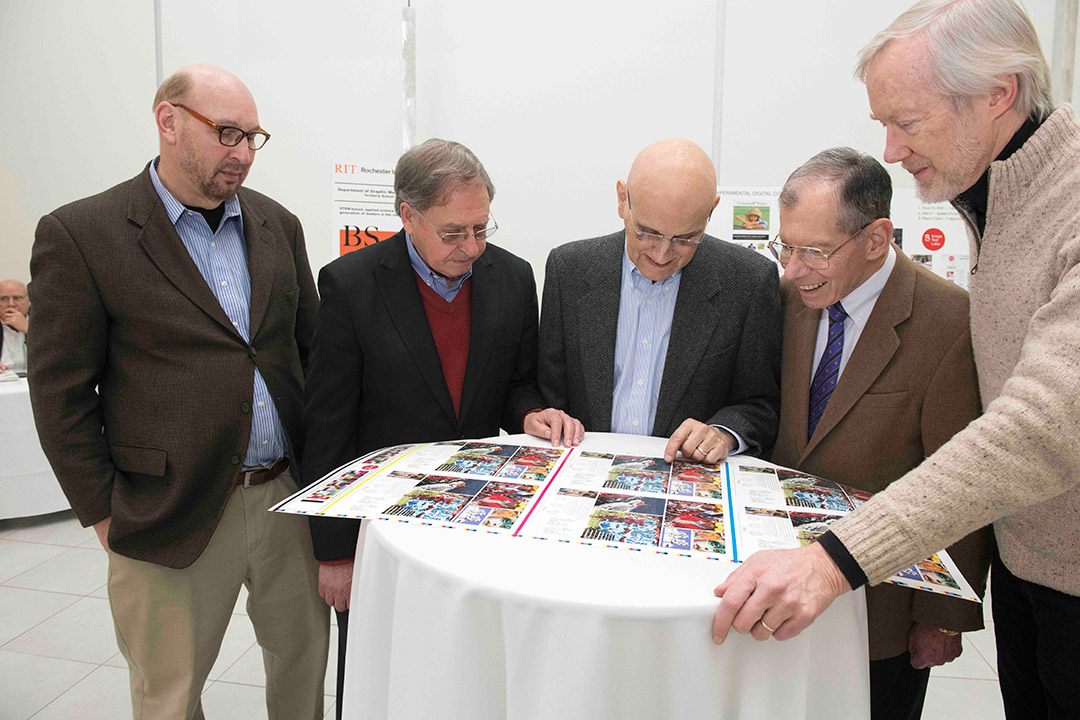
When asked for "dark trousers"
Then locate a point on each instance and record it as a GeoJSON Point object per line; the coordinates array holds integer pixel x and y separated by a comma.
{"type": "Point", "coordinates": [342, 635]}
{"type": "Point", "coordinates": [1038, 646]}
{"type": "Point", "coordinates": [897, 690]}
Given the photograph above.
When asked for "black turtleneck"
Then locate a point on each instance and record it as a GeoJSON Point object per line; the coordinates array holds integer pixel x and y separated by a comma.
{"type": "Point", "coordinates": [974, 200]}
{"type": "Point", "coordinates": [213, 216]}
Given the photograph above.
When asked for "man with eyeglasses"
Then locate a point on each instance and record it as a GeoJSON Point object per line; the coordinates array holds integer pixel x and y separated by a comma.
{"type": "Point", "coordinates": [14, 324]}
{"type": "Point", "coordinates": [877, 373]}
{"type": "Point", "coordinates": [428, 335]}
{"type": "Point", "coordinates": [659, 329]}
{"type": "Point", "coordinates": [173, 315]}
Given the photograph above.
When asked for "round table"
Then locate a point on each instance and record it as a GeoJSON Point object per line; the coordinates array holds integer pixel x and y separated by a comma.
{"type": "Point", "coordinates": [451, 624]}
{"type": "Point", "coordinates": [27, 484]}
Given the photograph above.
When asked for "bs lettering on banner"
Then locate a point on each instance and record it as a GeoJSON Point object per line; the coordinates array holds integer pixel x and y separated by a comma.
{"type": "Point", "coordinates": [363, 204]}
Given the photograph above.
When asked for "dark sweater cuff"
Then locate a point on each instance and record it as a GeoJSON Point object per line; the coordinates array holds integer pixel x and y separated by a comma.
{"type": "Point", "coordinates": [843, 559]}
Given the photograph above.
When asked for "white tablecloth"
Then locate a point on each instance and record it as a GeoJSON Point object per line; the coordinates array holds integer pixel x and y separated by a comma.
{"type": "Point", "coordinates": [451, 624]}
{"type": "Point", "coordinates": [27, 485]}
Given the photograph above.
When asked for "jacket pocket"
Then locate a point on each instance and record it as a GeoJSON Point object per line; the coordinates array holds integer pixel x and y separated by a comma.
{"type": "Point", "coordinates": [140, 460]}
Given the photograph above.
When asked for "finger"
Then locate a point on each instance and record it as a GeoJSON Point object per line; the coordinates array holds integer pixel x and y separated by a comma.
{"type": "Point", "coordinates": [555, 423]}
{"type": "Point", "coordinates": [676, 442]}
{"type": "Point", "coordinates": [734, 596]}
{"type": "Point", "coordinates": [718, 453]}
{"type": "Point", "coordinates": [579, 431]}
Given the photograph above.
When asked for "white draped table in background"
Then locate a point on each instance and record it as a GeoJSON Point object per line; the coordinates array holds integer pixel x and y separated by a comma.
{"type": "Point", "coordinates": [454, 624]}
{"type": "Point", "coordinates": [27, 484]}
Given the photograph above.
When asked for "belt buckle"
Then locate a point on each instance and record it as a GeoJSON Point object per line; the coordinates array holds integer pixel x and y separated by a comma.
{"type": "Point", "coordinates": [247, 476]}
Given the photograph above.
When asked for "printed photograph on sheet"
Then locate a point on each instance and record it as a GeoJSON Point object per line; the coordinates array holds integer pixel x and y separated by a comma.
{"type": "Point", "coordinates": [725, 511]}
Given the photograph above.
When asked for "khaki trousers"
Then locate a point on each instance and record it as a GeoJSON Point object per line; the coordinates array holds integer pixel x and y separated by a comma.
{"type": "Point", "coordinates": [169, 623]}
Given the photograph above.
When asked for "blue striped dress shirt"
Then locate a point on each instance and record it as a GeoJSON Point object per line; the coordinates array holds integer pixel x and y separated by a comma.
{"type": "Point", "coordinates": [646, 310]}
{"type": "Point", "coordinates": [221, 257]}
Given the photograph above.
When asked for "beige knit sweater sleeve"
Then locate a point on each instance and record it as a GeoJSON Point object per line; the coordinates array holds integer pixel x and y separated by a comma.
{"type": "Point", "coordinates": [1025, 449]}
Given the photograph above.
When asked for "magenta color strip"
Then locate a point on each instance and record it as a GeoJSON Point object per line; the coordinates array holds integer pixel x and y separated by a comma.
{"type": "Point", "coordinates": [547, 486]}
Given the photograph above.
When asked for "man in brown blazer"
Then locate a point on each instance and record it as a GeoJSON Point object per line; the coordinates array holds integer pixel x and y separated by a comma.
{"type": "Point", "coordinates": [172, 319]}
{"type": "Point", "coordinates": [877, 373]}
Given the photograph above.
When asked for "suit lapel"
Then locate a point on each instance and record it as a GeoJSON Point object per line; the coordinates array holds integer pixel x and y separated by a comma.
{"type": "Point", "coordinates": [164, 247]}
{"type": "Point", "coordinates": [260, 258]}
{"type": "Point", "coordinates": [397, 286]}
{"type": "Point", "coordinates": [876, 347]}
{"type": "Point", "coordinates": [800, 355]}
{"type": "Point", "coordinates": [691, 329]}
{"type": "Point", "coordinates": [598, 310]}
{"type": "Point", "coordinates": [484, 322]}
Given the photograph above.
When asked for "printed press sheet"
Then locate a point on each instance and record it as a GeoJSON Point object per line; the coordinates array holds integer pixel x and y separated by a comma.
{"type": "Point", "coordinates": [725, 511]}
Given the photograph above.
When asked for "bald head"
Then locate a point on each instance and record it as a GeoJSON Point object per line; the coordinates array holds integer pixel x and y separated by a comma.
{"type": "Point", "coordinates": [670, 191]}
{"type": "Point", "coordinates": [677, 170]}
{"type": "Point", "coordinates": [195, 166]}
{"type": "Point", "coordinates": [13, 295]}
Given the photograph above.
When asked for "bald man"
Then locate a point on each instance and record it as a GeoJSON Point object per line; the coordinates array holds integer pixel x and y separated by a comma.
{"type": "Point", "coordinates": [172, 319]}
{"type": "Point", "coordinates": [660, 329]}
{"type": "Point", "coordinates": [14, 324]}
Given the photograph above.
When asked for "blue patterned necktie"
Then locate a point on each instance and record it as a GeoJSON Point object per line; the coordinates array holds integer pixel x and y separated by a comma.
{"type": "Point", "coordinates": [828, 372]}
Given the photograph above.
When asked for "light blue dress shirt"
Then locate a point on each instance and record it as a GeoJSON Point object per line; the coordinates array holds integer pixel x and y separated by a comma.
{"type": "Point", "coordinates": [221, 257]}
{"type": "Point", "coordinates": [431, 278]}
{"type": "Point", "coordinates": [646, 310]}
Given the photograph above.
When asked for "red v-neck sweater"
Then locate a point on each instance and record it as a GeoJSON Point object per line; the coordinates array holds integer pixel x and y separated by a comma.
{"type": "Point", "coordinates": [450, 323]}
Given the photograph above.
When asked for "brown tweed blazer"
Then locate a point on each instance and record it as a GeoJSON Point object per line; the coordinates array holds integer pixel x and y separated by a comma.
{"type": "Point", "coordinates": [141, 387]}
{"type": "Point", "coordinates": [908, 387]}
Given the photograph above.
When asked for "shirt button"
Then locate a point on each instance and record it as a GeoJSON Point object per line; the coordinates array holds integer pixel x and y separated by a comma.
{"type": "Point", "coordinates": [648, 302]}
{"type": "Point", "coordinates": [640, 382]}
{"type": "Point", "coordinates": [224, 283]}
{"type": "Point", "coordinates": [264, 441]}
{"type": "Point", "coordinates": [635, 423]}
{"type": "Point", "coordinates": [644, 342]}
{"type": "Point", "coordinates": [260, 403]}
{"type": "Point", "coordinates": [213, 244]}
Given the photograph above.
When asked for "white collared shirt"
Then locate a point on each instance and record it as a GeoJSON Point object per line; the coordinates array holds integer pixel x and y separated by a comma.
{"type": "Point", "coordinates": [858, 304]}
{"type": "Point", "coordinates": [14, 350]}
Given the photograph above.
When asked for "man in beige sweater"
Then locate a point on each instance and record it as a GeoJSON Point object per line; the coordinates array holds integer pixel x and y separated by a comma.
{"type": "Point", "coordinates": [963, 91]}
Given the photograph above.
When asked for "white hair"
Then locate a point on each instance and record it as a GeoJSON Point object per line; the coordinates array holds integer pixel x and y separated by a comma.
{"type": "Point", "coordinates": [972, 43]}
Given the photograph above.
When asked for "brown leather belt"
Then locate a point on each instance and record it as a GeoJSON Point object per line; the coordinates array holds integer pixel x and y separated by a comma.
{"type": "Point", "coordinates": [258, 476]}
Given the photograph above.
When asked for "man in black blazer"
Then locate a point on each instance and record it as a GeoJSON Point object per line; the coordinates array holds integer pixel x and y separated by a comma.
{"type": "Point", "coordinates": [172, 319]}
{"type": "Point", "coordinates": [429, 335]}
{"type": "Point", "coordinates": [660, 329]}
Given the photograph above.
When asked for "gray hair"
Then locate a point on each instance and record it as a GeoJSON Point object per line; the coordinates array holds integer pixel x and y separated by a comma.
{"type": "Point", "coordinates": [972, 43]}
{"type": "Point", "coordinates": [174, 90]}
{"type": "Point", "coordinates": [863, 188]}
{"type": "Point", "coordinates": [427, 173]}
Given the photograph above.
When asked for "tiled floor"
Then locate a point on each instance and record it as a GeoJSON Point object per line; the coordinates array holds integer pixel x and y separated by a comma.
{"type": "Point", "coordinates": [58, 656]}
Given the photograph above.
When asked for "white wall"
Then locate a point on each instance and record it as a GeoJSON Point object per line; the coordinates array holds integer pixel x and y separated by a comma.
{"type": "Point", "coordinates": [76, 89]}
{"type": "Point", "coordinates": [555, 98]}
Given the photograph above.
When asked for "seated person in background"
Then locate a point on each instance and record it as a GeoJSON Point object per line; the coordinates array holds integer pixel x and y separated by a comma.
{"type": "Point", "coordinates": [878, 373]}
{"type": "Point", "coordinates": [429, 335]}
{"type": "Point", "coordinates": [660, 329]}
{"type": "Point", "coordinates": [14, 319]}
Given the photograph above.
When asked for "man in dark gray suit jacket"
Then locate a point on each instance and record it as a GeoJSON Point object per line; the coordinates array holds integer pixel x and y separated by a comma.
{"type": "Point", "coordinates": [172, 319]}
{"type": "Point", "coordinates": [660, 329]}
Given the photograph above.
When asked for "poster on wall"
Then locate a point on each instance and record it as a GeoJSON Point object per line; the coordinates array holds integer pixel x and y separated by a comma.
{"type": "Point", "coordinates": [362, 204]}
{"type": "Point", "coordinates": [747, 216]}
{"type": "Point", "coordinates": [932, 234]}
